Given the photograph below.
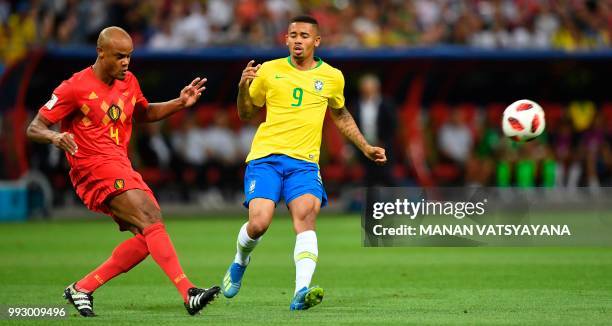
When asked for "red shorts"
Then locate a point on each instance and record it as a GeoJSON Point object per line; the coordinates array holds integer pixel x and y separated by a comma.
{"type": "Point", "coordinates": [98, 182]}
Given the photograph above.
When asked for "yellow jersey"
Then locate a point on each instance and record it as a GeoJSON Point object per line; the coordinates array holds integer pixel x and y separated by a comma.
{"type": "Point", "coordinates": [296, 102]}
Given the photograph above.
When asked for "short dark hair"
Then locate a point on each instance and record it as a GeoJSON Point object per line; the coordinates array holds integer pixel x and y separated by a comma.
{"type": "Point", "coordinates": [304, 19]}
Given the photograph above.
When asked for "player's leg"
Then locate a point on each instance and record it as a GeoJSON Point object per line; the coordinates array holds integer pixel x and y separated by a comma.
{"type": "Point", "coordinates": [304, 211]}
{"type": "Point", "coordinates": [262, 185]}
{"type": "Point", "coordinates": [304, 194]}
{"type": "Point", "coordinates": [261, 211]}
{"type": "Point", "coordinates": [136, 207]}
{"type": "Point", "coordinates": [124, 257]}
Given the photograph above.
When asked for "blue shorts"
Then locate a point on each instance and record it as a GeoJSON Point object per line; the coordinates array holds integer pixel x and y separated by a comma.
{"type": "Point", "coordinates": [279, 176]}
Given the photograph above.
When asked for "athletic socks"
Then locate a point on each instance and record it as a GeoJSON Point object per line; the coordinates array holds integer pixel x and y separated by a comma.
{"type": "Point", "coordinates": [125, 256]}
{"type": "Point", "coordinates": [244, 246]}
{"type": "Point", "coordinates": [161, 249]}
{"type": "Point", "coordinates": [305, 256]}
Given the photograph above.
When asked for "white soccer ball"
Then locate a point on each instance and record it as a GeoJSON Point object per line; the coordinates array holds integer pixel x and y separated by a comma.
{"type": "Point", "coordinates": [523, 120]}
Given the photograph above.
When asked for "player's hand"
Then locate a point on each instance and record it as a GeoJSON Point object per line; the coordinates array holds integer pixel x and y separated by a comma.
{"type": "Point", "coordinates": [65, 141]}
{"type": "Point", "coordinates": [192, 92]}
{"type": "Point", "coordinates": [376, 154]}
{"type": "Point", "coordinates": [248, 74]}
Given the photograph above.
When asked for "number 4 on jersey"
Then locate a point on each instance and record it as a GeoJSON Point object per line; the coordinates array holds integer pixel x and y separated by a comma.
{"type": "Point", "coordinates": [114, 134]}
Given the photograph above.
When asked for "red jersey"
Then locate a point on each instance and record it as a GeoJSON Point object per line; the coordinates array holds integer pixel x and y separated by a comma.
{"type": "Point", "coordinates": [97, 114]}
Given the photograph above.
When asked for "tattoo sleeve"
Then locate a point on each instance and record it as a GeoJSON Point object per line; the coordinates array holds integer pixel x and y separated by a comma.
{"type": "Point", "coordinates": [346, 124]}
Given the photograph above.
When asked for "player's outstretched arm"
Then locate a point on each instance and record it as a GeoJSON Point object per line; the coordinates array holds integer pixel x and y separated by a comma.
{"type": "Point", "coordinates": [346, 124]}
{"type": "Point", "coordinates": [246, 109]}
{"type": "Point", "coordinates": [39, 131]}
{"type": "Point", "coordinates": [159, 111]}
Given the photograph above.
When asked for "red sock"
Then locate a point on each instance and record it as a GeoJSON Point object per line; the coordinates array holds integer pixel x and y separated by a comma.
{"type": "Point", "coordinates": [125, 256]}
{"type": "Point", "coordinates": [163, 253]}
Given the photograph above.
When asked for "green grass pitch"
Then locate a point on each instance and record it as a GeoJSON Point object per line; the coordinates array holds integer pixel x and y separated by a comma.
{"type": "Point", "coordinates": [363, 285]}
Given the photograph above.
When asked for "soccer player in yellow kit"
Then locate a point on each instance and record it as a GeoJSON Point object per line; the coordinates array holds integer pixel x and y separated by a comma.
{"type": "Point", "coordinates": [283, 162]}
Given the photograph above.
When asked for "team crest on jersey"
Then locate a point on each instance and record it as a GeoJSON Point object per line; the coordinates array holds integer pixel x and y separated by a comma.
{"type": "Point", "coordinates": [49, 105]}
{"type": "Point", "coordinates": [114, 112]}
{"type": "Point", "coordinates": [119, 184]}
{"type": "Point", "coordinates": [318, 85]}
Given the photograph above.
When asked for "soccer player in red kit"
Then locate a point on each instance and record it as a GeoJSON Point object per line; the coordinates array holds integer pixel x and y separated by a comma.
{"type": "Point", "coordinates": [96, 108]}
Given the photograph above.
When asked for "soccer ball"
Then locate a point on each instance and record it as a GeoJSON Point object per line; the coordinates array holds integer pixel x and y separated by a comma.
{"type": "Point", "coordinates": [523, 120]}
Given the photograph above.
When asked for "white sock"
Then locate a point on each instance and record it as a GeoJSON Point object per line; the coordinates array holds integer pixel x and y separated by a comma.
{"type": "Point", "coordinates": [305, 255]}
{"type": "Point", "coordinates": [244, 246]}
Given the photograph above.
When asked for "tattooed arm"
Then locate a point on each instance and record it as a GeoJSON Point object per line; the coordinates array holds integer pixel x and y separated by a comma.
{"type": "Point", "coordinates": [344, 121]}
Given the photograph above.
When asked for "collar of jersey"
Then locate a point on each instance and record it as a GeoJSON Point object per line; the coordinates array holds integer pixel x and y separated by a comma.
{"type": "Point", "coordinates": [317, 59]}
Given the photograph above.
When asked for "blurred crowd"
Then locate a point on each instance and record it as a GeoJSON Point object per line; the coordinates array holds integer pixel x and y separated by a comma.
{"type": "Point", "coordinates": [178, 24]}
{"type": "Point", "coordinates": [575, 151]}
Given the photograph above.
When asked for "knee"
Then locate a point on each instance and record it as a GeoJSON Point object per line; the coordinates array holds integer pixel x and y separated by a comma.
{"type": "Point", "coordinates": [306, 212]}
{"type": "Point", "coordinates": [256, 229]}
{"type": "Point", "coordinates": [304, 217]}
{"type": "Point", "coordinates": [258, 224]}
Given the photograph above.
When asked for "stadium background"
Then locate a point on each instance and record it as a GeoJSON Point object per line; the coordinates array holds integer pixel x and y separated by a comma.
{"type": "Point", "coordinates": [449, 68]}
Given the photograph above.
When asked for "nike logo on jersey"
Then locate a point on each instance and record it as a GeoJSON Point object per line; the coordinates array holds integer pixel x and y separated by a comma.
{"type": "Point", "coordinates": [278, 77]}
